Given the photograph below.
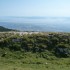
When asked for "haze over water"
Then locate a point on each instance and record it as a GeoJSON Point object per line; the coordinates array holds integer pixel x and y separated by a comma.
{"type": "Point", "coordinates": [55, 24]}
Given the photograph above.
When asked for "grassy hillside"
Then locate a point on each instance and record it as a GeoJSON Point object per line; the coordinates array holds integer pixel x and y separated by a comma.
{"type": "Point", "coordinates": [42, 51]}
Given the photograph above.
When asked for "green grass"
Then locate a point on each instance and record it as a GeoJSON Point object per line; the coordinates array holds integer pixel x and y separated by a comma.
{"type": "Point", "coordinates": [31, 61]}
{"type": "Point", "coordinates": [11, 64]}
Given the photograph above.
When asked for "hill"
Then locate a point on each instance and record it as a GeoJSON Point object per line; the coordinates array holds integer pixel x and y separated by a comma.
{"type": "Point", "coordinates": [2, 29]}
{"type": "Point", "coordinates": [41, 51]}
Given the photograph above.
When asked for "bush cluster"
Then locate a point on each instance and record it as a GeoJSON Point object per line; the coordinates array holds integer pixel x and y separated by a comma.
{"type": "Point", "coordinates": [57, 43]}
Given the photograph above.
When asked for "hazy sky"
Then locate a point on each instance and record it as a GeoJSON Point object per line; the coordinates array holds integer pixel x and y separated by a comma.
{"type": "Point", "coordinates": [53, 8]}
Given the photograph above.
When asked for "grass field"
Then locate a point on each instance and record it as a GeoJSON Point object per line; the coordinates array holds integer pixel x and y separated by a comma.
{"type": "Point", "coordinates": [6, 64]}
{"type": "Point", "coordinates": [29, 61]}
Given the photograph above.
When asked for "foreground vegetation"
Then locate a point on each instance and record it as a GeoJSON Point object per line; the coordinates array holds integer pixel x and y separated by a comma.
{"type": "Point", "coordinates": [40, 51]}
{"type": "Point", "coordinates": [30, 61]}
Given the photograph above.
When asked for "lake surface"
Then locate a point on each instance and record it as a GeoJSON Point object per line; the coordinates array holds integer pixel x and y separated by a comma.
{"type": "Point", "coordinates": [55, 24]}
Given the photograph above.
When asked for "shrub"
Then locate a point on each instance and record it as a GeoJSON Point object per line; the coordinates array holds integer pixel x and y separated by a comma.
{"type": "Point", "coordinates": [62, 50]}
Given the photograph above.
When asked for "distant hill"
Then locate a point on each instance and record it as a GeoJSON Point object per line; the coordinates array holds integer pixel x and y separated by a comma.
{"type": "Point", "coordinates": [5, 29]}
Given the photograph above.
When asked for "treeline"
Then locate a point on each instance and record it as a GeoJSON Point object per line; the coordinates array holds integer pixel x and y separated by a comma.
{"type": "Point", "coordinates": [57, 43]}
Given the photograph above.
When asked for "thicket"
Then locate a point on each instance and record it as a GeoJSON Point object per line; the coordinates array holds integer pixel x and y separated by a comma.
{"type": "Point", "coordinates": [56, 43]}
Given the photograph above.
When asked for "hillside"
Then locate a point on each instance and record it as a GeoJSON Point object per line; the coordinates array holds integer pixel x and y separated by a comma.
{"type": "Point", "coordinates": [41, 51]}
{"type": "Point", "coordinates": [2, 29]}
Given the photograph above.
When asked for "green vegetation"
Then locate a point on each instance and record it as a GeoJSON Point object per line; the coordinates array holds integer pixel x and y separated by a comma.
{"type": "Point", "coordinates": [42, 51]}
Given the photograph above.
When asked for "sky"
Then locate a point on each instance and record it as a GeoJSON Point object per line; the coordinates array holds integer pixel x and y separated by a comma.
{"type": "Point", "coordinates": [27, 8]}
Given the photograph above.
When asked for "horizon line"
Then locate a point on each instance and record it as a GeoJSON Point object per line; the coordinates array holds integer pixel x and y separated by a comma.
{"type": "Point", "coordinates": [37, 16]}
